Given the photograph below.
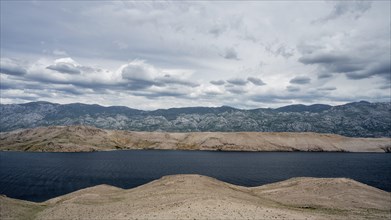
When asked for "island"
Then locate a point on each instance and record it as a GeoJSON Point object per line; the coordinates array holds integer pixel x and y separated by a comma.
{"type": "Point", "coordinates": [80, 138]}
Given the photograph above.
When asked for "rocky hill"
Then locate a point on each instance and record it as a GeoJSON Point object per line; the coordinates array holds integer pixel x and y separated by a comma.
{"type": "Point", "coordinates": [201, 197]}
{"type": "Point", "coordinates": [83, 138]}
{"type": "Point", "coordinates": [359, 119]}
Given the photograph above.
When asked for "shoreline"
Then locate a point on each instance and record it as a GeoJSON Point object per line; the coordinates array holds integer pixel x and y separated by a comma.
{"type": "Point", "coordinates": [173, 175]}
{"type": "Point", "coordinates": [197, 150]}
{"type": "Point", "coordinates": [87, 139]}
{"type": "Point", "coordinates": [200, 197]}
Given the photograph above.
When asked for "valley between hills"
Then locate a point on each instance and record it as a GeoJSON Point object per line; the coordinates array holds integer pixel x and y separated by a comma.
{"type": "Point", "coordinates": [86, 139]}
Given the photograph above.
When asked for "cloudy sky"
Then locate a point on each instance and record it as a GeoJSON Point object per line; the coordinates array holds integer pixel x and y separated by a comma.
{"type": "Point", "coordinates": [150, 55]}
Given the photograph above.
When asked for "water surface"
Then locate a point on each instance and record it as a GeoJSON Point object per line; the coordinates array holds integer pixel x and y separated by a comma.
{"type": "Point", "coordinates": [41, 176]}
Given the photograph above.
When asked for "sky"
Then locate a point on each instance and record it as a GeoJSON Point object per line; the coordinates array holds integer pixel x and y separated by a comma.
{"type": "Point", "coordinates": [162, 54]}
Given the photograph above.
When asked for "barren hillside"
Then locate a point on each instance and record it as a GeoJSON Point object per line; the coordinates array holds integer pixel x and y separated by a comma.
{"type": "Point", "coordinates": [85, 138]}
{"type": "Point", "coordinates": [200, 197]}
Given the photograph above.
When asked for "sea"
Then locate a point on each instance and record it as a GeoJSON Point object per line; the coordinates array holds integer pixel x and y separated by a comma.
{"type": "Point", "coordinates": [37, 176]}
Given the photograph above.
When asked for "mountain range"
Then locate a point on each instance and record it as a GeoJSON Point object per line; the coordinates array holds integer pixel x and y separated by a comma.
{"type": "Point", "coordinates": [357, 119]}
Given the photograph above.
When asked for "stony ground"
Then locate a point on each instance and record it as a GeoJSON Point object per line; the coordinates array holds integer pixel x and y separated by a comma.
{"type": "Point", "coordinates": [84, 138]}
{"type": "Point", "coordinates": [200, 197]}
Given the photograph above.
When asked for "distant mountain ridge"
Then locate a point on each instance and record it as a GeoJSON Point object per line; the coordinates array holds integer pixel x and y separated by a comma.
{"type": "Point", "coordinates": [304, 108]}
{"type": "Point", "coordinates": [357, 119]}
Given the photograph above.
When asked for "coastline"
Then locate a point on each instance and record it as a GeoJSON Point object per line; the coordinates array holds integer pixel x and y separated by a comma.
{"type": "Point", "coordinates": [201, 197]}
{"type": "Point", "coordinates": [88, 139]}
{"type": "Point", "coordinates": [223, 151]}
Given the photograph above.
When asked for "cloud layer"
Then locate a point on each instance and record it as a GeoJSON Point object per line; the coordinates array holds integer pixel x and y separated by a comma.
{"type": "Point", "coordinates": [169, 54]}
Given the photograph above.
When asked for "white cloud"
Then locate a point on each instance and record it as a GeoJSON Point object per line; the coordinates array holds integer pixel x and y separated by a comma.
{"type": "Point", "coordinates": [197, 53]}
{"type": "Point", "coordinates": [65, 65]}
{"type": "Point", "coordinates": [138, 70]}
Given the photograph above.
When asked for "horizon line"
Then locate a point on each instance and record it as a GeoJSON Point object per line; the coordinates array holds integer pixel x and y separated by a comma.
{"type": "Point", "coordinates": [243, 109]}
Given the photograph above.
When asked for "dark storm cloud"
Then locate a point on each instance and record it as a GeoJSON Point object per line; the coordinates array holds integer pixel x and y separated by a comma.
{"type": "Point", "coordinates": [71, 90]}
{"type": "Point", "coordinates": [11, 67]}
{"type": "Point", "coordinates": [217, 82]}
{"type": "Point", "coordinates": [292, 88]}
{"type": "Point", "coordinates": [39, 76]}
{"type": "Point", "coordinates": [28, 94]}
{"type": "Point", "coordinates": [5, 85]}
{"type": "Point", "coordinates": [22, 97]}
{"type": "Point", "coordinates": [167, 93]}
{"type": "Point", "coordinates": [353, 67]}
{"type": "Point", "coordinates": [136, 78]}
{"type": "Point", "coordinates": [64, 68]}
{"type": "Point", "coordinates": [138, 84]}
{"type": "Point", "coordinates": [301, 80]}
{"type": "Point", "coordinates": [333, 62]}
{"type": "Point", "coordinates": [341, 8]}
{"type": "Point", "coordinates": [12, 70]}
{"type": "Point", "coordinates": [210, 94]}
{"type": "Point", "coordinates": [237, 81]}
{"type": "Point", "coordinates": [20, 83]}
{"type": "Point", "coordinates": [323, 58]}
{"type": "Point", "coordinates": [382, 69]}
{"type": "Point", "coordinates": [327, 89]}
{"type": "Point", "coordinates": [268, 98]}
{"type": "Point", "coordinates": [168, 79]}
{"type": "Point", "coordinates": [205, 38]}
{"type": "Point", "coordinates": [324, 75]}
{"type": "Point", "coordinates": [230, 54]}
{"type": "Point", "coordinates": [256, 81]}
{"type": "Point", "coordinates": [386, 86]}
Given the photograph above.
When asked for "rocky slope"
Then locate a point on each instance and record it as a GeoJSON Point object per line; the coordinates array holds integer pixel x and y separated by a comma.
{"type": "Point", "coordinates": [200, 197]}
{"type": "Point", "coordinates": [84, 138]}
{"type": "Point", "coordinates": [359, 119]}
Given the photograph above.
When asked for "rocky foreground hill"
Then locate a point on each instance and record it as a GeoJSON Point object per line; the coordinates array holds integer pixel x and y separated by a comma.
{"type": "Point", "coordinates": [358, 119]}
{"type": "Point", "coordinates": [84, 138]}
{"type": "Point", "coordinates": [200, 197]}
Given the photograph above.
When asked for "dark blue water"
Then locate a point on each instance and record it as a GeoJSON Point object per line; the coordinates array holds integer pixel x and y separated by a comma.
{"type": "Point", "coordinates": [41, 176]}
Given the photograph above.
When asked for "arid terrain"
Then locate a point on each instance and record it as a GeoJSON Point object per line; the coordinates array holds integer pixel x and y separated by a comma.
{"type": "Point", "coordinates": [85, 138]}
{"type": "Point", "coordinates": [201, 197]}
